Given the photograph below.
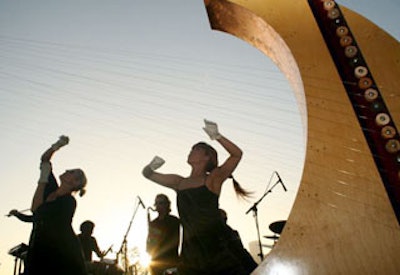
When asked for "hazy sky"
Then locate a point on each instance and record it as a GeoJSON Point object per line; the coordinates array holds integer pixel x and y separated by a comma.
{"type": "Point", "coordinates": [127, 80]}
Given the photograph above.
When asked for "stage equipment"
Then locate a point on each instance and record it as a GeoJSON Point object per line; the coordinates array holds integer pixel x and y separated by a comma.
{"type": "Point", "coordinates": [255, 211]}
{"type": "Point", "coordinates": [123, 251]}
{"type": "Point", "coordinates": [19, 252]}
{"type": "Point", "coordinates": [277, 227]}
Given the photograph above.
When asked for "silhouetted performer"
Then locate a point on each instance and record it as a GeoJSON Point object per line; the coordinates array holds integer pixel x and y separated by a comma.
{"type": "Point", "coordinates": [54, 247]}
{"type": "Point", "coordinates": [22, 248]}
{"type": "Point", "coordinates": [163, 237]}
{"type": "Point", "coordinates": [88, 242]}
{"type": "Point", "coordinates": [51, 186]}
{"type": "Point", "coordinates": [204, 250]}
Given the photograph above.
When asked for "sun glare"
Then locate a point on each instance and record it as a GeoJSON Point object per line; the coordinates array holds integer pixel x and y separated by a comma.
{"type": "Point", "coordinates": [144, 260]}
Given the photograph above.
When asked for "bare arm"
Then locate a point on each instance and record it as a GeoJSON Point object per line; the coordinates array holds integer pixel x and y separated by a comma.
{"type": "Point", "coordinates": [97, 250]}
{"type": "Point", "coordinates": [221, 173]}
{"type": "Point", "coordinates": [62, 141]}
{"type": "Point", "coordinates": [235, 153]}
{"type": "Point", "coordinates": [20, 216]}
{"type": "Point", "coordinates": [45, 170]}
{"type": "Point", "coordinates": [167, 180]}
{"type": "Point", "coordinates": [46, 156]}
{"type": "Point", "coordinates": [38, 196]}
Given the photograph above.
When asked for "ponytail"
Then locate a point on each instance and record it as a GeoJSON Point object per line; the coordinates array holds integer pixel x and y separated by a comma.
{"type": "Point", "coordinates": [240, 192]}
{"type": "Point", "coordinates": [83, 180]}
{"type": "Point", "coordinates": [82, 192]}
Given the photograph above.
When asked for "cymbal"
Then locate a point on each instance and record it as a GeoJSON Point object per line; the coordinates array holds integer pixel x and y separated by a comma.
{"type": "Point", "coordinates": [277, 226]}
{"type": "Point", "coordinates": [267, 245]}
{"type": "Point", "coordinates": [274, 237]}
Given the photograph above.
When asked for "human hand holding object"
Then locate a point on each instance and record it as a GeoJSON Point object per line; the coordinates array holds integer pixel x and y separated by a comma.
{"type": "Point", "coordinates": [156, 163]}
{"type": "Point", "coordinates": [62, 141]}
{"type": "Point", "coordinates": [211, 128]}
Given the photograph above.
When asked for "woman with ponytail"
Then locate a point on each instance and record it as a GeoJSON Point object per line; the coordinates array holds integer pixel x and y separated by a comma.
{"type": "Point", "coordinates": [54, 247]}
{"type": "Point", "coordinates": [204, 248]}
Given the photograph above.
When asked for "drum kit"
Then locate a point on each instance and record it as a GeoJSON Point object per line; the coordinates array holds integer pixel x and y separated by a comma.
{"type": "Point", "coordinates": [105, 267]}
{"type": "Point", "coordinates": [19, 252]}
{"type": "Point", "coordinates": [276, 228]}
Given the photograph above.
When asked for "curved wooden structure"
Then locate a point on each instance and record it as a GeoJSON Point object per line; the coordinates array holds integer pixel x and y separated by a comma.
{"type": "Point", "coordinates": [345, 219]}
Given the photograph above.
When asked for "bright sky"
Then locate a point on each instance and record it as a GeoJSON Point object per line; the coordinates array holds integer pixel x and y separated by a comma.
{"type": "Point", "coordinates": [127, 80]}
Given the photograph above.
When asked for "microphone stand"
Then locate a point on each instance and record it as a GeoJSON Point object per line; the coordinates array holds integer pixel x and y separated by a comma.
{"type": "Point", "coordinates": [124, 245]}
{"type": "Point", "coordinates": [255, 215]}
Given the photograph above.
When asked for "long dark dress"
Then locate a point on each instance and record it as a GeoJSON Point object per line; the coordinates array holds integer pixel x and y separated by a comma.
{"type": "Point", "coordinates": [205, 247]}
{"type": "Point", "coordinates": [54, 248]}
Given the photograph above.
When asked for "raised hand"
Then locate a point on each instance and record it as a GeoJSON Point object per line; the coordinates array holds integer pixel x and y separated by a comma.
{"type": "Point", "coordinates": [156, 163]}
{"type": "Point", "coordinates": [62, 141]}
{"type": "Point", "coordinates": [211, 128]}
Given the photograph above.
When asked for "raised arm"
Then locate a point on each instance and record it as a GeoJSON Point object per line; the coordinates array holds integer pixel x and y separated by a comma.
{"type": "Point", "coordinates": [45, 170]}
{"type": "Point", "coordinates": [62, 141]}
{"type": "Point", "coordinates": [235, 153]}
{"type": "Point", "coordinates": [167, 180]}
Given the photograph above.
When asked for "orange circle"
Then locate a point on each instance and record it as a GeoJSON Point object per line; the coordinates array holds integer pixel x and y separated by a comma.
{"type": "Point", "coordinates": [365, 83]}
{"type": "Point", "coordinates": [388, 132]}
{"type": "Point", "coordinates": [346, 41]}
{"type": "Point", "coordinates": [342, 31]}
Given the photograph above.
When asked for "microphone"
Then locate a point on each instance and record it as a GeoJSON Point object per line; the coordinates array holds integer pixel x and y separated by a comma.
{"type": "Point", "coordinates": [280, 180]}
{"type": "Point", "coordinates": [141, 202]}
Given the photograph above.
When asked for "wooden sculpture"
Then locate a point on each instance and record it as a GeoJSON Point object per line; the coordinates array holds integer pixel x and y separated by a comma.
{"type": "Point", "coordinates": [345, 72]}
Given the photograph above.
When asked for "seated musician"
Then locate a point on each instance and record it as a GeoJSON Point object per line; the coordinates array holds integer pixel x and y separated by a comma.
{"type": "Point", "coordinates": [89, 243]}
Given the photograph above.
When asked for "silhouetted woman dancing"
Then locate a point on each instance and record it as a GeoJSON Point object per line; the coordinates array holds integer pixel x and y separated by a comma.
{"type": "Point", "coordinates": [54, 247]}
{"type": "Point", "coordinates": [204, 248]}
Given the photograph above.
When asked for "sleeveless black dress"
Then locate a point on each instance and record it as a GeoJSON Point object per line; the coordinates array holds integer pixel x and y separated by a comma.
{"type": "Point", "coordinates": [204, 247]}
{"type": "Point", "coordinates": [54, 248]}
